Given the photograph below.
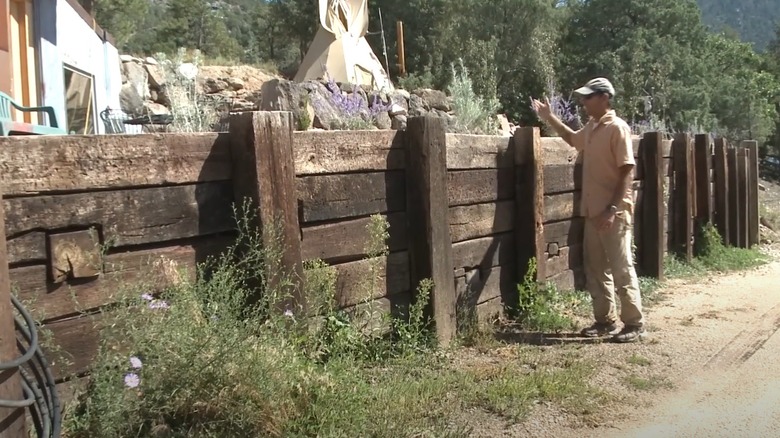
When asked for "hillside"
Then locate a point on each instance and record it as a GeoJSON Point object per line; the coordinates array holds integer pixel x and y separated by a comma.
{"type": "Point", "coordinates": [754, 21]}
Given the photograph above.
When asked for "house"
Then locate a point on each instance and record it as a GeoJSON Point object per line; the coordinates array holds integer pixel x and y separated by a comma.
{"type": "Point", "coordinates": [53, 53]}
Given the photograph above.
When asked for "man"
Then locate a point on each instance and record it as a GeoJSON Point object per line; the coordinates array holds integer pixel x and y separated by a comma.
{"type": "Point", "coordinates": [607, 205]}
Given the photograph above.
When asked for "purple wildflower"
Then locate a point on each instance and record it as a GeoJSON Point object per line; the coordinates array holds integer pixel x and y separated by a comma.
{"type": "Point", "coordinates": [132, 380]}
{"type": "Point", "coordinates": [135, 362]}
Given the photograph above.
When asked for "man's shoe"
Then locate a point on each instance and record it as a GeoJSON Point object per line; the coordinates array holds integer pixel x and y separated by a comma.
{"type": "Point", "coordinates": [630, 334]}
{"type": "Point", "coordinates": [600, 329]}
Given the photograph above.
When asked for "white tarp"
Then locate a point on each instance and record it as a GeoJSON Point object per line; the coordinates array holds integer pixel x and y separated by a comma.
{"type": "Point", "coordinates": [340, 50]}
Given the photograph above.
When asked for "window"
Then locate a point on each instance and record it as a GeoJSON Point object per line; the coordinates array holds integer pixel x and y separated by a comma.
{"type": "Point", "coordinates": [79, 102]}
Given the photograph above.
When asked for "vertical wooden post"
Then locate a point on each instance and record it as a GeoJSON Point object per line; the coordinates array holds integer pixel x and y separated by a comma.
{"type": "Point", "coordinates": [12, 420]}
{"type": "Point", "coordinates": [683, 197]}
{"type": "Point", "coordinates": [734, 225]}
{"type": "Point", "coordinates": [703, 163]}
{"type": "Point", "coordinates": [743, 157]}
{"type": "Point", "coordinates": [428, 219]}
{"type": "Point", "coordinates": [752, 183]}
{"type": "Point", "coordinates": [653, 209]}
{"type": "Point", "coordinates": [264, 172]}
{"type": "Point", "coordinates": [529, 201]}
{"type": "Point", "coordinates": [401, 51]}
{"type": "Point", "coordinates": [722, 190]}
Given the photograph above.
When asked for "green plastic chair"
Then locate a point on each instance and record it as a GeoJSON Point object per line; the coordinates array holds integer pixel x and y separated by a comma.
{"type": "Point", "coordinates": [10, 127]}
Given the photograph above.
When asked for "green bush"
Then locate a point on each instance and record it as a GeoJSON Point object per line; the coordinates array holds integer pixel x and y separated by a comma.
{"type": "Point", "coordinates": [473, 114]}
{"type": "Point", "coordinates": [205, 357]}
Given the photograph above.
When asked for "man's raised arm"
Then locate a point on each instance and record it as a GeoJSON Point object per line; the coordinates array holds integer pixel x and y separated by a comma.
{"type": "Point", "coordinates": [544, 111]}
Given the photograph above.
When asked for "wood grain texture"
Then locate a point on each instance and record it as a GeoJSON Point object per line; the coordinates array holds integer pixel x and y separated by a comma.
{"type": "Point", "coordinates": [318, 152]}
{"type": "Point", "coordinates": [485, 252]}
{"type": "Point", "coordinates": [264, 173]}
{"type": "Point", "coordinates": [466, 187]}
{"type": "Point", "coordinates": [683, 197]}
{"type": "Point", "coordinates": [42, 164]}
{"type": "Point", "coordinates": [653, 239]}
{"type": "Point", "coordinates": [370, 279]}
{"type": "Point", "coordinates": [129, 217]}
{"type": "Point", "coordinates": [129, 272]}
{"type": "Point", "coordinates": [568, 258]}
{"type": "Point", "coordinates": [562, 206]}
{"type": "Point", "coordinates": [27, 248]}
{"type": "Point", "coordinates": [468, 151]}
{"type": "Point", "coordinates": [743, 198]}
{"type": "Point", "coordinates": [347, 240]}
{"type": "Point", "coordinates": [530, 202]}
{"type": "Point", "coordinates": [326, 197]}
{"type": "Point", "coordinates": [12, 420]}
{"type": "Point", "coordinates": [430, 244]}
{"type": "Point", "coordinates": [481, 285]}
{"type": "Point", "coordinates": [555, 151]}
{"type": "Point", "coordinates": [560, 178]}
{"type": "Point", "coordinates": [480, 220]}
{"type": "Point", "coordinates": [565, 233]}
{"type": "Point", "coordinates": [74, 254]}
{"type": "Point", "coordinates": [752, 184]}
{"type": "Point", "coordinates": [734, 190]}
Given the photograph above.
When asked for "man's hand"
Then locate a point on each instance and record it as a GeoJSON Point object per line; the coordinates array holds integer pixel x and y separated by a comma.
{"type": "Point", "coordinates": [605, 220]}
{"type": "Point", "coordinates": [543, 109]}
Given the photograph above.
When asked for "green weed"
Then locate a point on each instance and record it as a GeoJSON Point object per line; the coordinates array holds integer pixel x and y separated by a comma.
{"type": "Point", "coordinates": [543, 307]}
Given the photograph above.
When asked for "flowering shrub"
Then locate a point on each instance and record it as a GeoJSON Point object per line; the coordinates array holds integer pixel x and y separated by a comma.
{"type": "Point", "coordinates": [354, 112]}
{"type": "Point", "coordinates": [198, 360]}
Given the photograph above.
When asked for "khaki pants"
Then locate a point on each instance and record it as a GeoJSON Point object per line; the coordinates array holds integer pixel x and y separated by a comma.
{"type": "Point", "coordinates": [609, 268]}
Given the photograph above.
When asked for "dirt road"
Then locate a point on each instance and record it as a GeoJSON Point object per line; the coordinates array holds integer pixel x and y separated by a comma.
{"type": "Point", "coordinates": [720, 339]}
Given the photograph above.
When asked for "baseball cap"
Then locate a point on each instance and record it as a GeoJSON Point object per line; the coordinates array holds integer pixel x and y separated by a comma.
{"type": "Point", "coordinates": [596, 85]}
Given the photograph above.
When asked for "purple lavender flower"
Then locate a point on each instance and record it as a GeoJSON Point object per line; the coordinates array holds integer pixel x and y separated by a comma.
{"type": "Point", "coordinates": [132, 380]}
{"type": "Point", "coordinates": [135, 362]}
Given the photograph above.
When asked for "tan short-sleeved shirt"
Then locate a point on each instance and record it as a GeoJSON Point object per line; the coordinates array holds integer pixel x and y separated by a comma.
{"type": "Point", "coordinates": [606, 146]}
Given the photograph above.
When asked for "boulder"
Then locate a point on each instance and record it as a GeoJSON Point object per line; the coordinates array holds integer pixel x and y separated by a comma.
{"type": "Point", "coordinates": [284, 95]}
{"type": "Point", "coordinates": [150, 61]}
{"type": "Point", "coordinates": [156, 76]}
{"type": "Point", "coordinates": [212, 86]}
{"type": "Point", "coordinates": [235, 84]}
{"type": "Point", "coordinates": [383, 120]}
{"type": "Point", "coordinates": [433, 99]}
{"type": "Point", "coordinates": [399, 122]}
{"type": "Point", "coordinates": [188, 71]}
{"type": "Point", "coordinates": [398, 110]}
{"type": "Point", "coordinates": [416, 106]}
{"type": "Point", "coordinates": [155, 109]}
{"type": "Point", "coordinates": [129, 100]}
{"type": "Point", "coordinates": [137, 76]}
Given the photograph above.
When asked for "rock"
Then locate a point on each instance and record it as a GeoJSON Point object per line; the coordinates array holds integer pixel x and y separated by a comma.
{"type": "Point", "coordinates": [156, 77]}
{"type": "Point", "coordinates": [137, 76]}
{"type": "Point", "coordinates": [241, 105]}
{"type": "Point", "coordinates": [235, 83]}
{"type": "Point", "coordinates": [552, 249]}
{"type": "Point", "coordinates": [433, 99]}
{"type": "Point", "coordinates": [397, 110]}
{"type": "Point", "coordinates": [326, 115]}
{"type": "Point", "coordinates": [154, 96]}
{"type": "Point", "coordinates": [188, 71]}
{"type": "Point", "coordinates": [450, 124]}
{"type": "Point", "coordinates": [762, 187]}
{"type": "Point", "coordinates": [284, 95]}
{"type": "Point", "coordinates": [129, 100]}
{"type": "Point", "coordinates": [383, 120]}
{"type": "Point", "coordinates": [402, 94]}
{"type": "Point", "coordinates": [127, 58]}
{"type": "Point", "coordinates": [399, 122]}
{"type": "Point", "coordinates": [212, 86]}
{"type": "Point", "coordinates": [155, 108]}
{"type": "Point", "coordinates": [150, 61]}
{"type": "Point", "coordinates": [765, 222]}
{"type": "Point", "coordinates": [416, 106]}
